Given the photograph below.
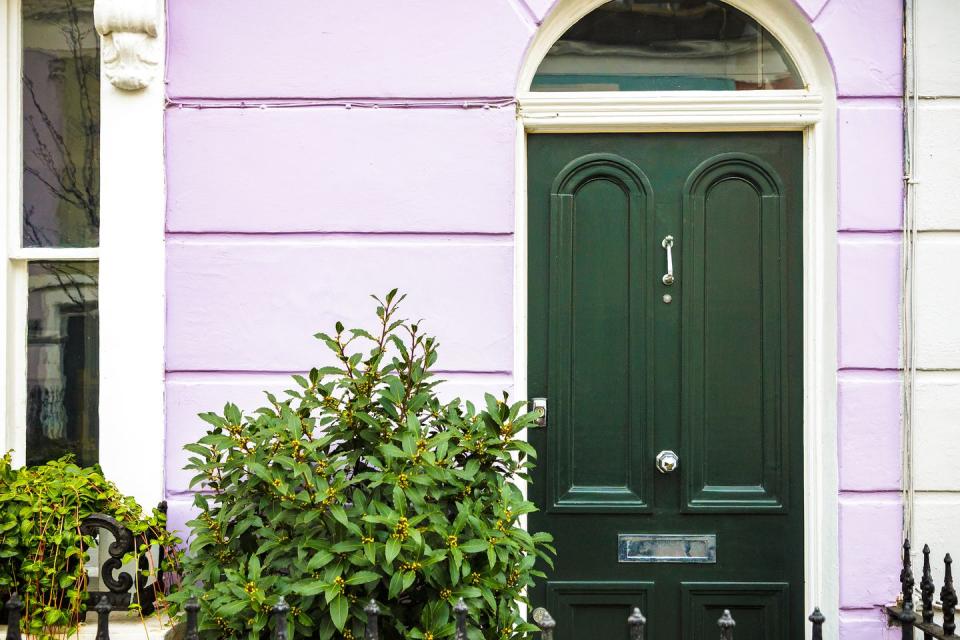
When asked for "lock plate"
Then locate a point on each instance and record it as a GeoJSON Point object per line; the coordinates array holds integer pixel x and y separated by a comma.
{"type": "Point", "coordinates": [539, 407]}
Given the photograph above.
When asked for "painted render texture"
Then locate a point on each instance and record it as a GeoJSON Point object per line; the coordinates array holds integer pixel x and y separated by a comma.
{"type": "Point", "coordinates": [937, 402]}
{"type": "Point", "coordinates": [284, 213]}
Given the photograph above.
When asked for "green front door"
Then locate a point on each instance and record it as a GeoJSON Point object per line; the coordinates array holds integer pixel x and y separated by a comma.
{"type": "Point", "coordinates": [709, 367]}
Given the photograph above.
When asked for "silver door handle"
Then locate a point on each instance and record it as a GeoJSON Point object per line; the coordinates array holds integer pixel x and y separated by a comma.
{"type": "Point", "coordinates": [668, 245]}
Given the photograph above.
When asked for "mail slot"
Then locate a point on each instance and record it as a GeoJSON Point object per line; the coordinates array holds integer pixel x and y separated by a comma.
{"type": "Point", "coordinates": [667, 547]}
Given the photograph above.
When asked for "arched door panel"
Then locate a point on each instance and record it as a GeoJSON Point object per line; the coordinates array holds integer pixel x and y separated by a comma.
{"type": "Point", "coordinates": [600, 210]}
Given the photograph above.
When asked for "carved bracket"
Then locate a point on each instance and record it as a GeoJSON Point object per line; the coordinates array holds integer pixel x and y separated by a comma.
{"type": "Point", "coordinates": [130, 49]}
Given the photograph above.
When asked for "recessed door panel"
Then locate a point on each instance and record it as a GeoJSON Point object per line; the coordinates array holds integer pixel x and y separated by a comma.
{"type": "Point", "coordinates": [760, 609]}
{"type": "Point", "coordinates": [733, 352]}
{"type": "Point", "coordinates": [599, 209]}
{"type": "Point", "coordinates": [597, 609]}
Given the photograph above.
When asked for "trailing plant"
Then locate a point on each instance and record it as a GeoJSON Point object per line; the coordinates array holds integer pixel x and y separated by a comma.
{"type": "Point", "coordinates": [361, 484]}
{"type": "Point", "coordinates": [42, 550]}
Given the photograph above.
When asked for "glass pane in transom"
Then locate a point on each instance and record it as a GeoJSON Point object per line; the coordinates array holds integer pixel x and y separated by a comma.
{"type": "Point", "coordinates": [642, 45]}
{"type": "Point", "coordinates": [63, 362]}
{"type": "Point", "coordinates": [61, 124]}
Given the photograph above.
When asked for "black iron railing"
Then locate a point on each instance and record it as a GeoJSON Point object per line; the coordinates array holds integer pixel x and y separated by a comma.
{"type": "Point", "coordinates": [120, 592]}
{"type": "Point", "coordinates": [635, 627]}
{"type": "Point", "coordinates": [123, 587]}
{"type": "Point", "coordinates": [904, 612]}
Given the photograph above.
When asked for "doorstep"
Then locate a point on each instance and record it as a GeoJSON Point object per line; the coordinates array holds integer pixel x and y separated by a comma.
{"type": "Point", "coordinates": [123, 626]}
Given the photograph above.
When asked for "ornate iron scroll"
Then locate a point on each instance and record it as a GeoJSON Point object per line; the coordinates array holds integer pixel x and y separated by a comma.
{"type": "Point", "coordinates": [119, 586]}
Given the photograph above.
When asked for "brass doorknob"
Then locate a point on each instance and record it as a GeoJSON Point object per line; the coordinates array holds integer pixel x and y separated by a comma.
{"type": "Point", "coordinates": [667, 461]}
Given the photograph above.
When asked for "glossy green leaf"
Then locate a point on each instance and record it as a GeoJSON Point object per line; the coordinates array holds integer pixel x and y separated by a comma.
{"type": "Point", "coordinates": [339, 609]}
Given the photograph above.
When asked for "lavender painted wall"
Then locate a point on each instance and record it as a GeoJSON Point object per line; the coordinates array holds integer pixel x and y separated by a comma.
{"type": "Point", "coordinates": [283, 216]}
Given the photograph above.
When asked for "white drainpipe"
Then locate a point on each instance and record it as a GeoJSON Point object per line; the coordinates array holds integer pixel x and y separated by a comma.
{"type": "Point", "coordinates": [908, 271]}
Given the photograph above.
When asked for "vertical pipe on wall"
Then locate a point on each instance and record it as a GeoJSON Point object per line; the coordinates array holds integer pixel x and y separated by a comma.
{"type": "Point", "coordinates": [910, 97]}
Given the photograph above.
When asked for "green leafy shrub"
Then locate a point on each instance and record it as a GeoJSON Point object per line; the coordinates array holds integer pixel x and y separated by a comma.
{"type": "Point", "coordinates": [362, 484]}
{"type": "Point", "coordinates": [42, 551]}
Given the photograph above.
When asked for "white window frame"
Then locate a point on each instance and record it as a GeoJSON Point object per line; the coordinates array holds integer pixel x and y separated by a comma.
{"type": "Point", "coordinates": [811, 111]}
{"type": "Point", "coordinates": [131, 272]}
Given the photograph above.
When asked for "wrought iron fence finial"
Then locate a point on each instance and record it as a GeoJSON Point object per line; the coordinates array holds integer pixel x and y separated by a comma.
{"type": "Point", "coordinates": [193, 609]}
{"type": "Point", "coordinates": [948, 596]}
{"type": "Point", "coordinates": [279, 612]}
{"type": "Point", "coordinates": [103, 610]}
{"type": "Point", "coordinates": [460, 611]}
{"type": "Point", "coordinates": [927, 587]}
{"type": "Point", "coordinates": [907, 615]}
{"type": "Point", "coordinates": [726, 624]}
{"type": "Point", "coordinates": [543, 619]}
{"type": "Point", "coordinates": [637, 623]}
{"type": "Point", "coordinates": [372, 630]}
{"type": "Point", "coordinates": [14, 607]}
{"type": "Point", "coordinates": [817, 619]}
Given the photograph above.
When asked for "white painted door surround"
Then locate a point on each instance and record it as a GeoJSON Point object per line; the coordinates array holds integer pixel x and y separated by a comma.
{"type": "Point", "coordinates": [811, 110]}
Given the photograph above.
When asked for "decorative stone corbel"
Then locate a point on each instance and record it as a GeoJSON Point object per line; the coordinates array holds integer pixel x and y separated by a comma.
{"type": "Point", "coordinates": [130, 52]}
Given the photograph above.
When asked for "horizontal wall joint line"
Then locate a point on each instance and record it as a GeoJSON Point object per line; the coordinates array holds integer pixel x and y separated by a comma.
{"type": "Point", "coordinates": [890, 236]}
{"type": "Point", "coordinates": [940, 493]}
{"type": "Point", "coordinates": [174, 374]}
{"type": "Point", "coordinates": [319, 235]}
{"type": "Point", "coordinates": [885, 496]}
{"type": "Point", "coordinates": [944, 234]}
{"type": "Point", "coordinates": [898, 96]}
{"type": "Point", "coordinates": [186, 493]}
{"type": "Point", "coordinates": [342, 103]}
{"type": "Point", "coordinates": [864, 492]}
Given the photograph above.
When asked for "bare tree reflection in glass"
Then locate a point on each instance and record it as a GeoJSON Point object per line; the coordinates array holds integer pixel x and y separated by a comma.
{"type": "Point", "coordinates": [61, 124]}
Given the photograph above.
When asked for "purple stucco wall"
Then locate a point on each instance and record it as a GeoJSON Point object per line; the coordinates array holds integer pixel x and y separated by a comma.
{"type": "Point", "coordinates": [285, 212]}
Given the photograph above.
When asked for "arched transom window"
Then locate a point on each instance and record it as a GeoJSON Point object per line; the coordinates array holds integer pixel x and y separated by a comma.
{"type": "Point", "coordinates": [645, 45]}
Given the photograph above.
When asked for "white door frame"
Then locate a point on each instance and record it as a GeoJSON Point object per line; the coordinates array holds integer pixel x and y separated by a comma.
{"type": "Point", "coordinates": [812, 111]}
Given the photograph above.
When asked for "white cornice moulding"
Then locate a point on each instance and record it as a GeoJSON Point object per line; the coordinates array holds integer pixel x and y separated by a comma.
{"type": "Point", "coordinates": [131, 50]}
{"type": "Point", "coordinates": [678, 110]}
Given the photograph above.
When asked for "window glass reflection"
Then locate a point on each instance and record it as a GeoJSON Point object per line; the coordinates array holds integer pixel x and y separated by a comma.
{"type": "Point", "coordinates": [644, 45]}
{"type": "Point", "coordinates": [61, 124]}
{"type": "Point", "coordinates": [63, 364]}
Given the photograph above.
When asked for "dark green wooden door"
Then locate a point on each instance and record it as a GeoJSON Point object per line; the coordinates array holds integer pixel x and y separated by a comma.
{"type": "Point", "coordinates": [709, 367]}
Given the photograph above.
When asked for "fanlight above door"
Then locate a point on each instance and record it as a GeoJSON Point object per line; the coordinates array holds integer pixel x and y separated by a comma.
{"type": "Point", "coordinates": [645, 45]}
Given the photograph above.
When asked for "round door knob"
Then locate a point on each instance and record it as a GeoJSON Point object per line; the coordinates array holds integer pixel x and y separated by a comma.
{"type": "Point", "coordinates": [667, 461]}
